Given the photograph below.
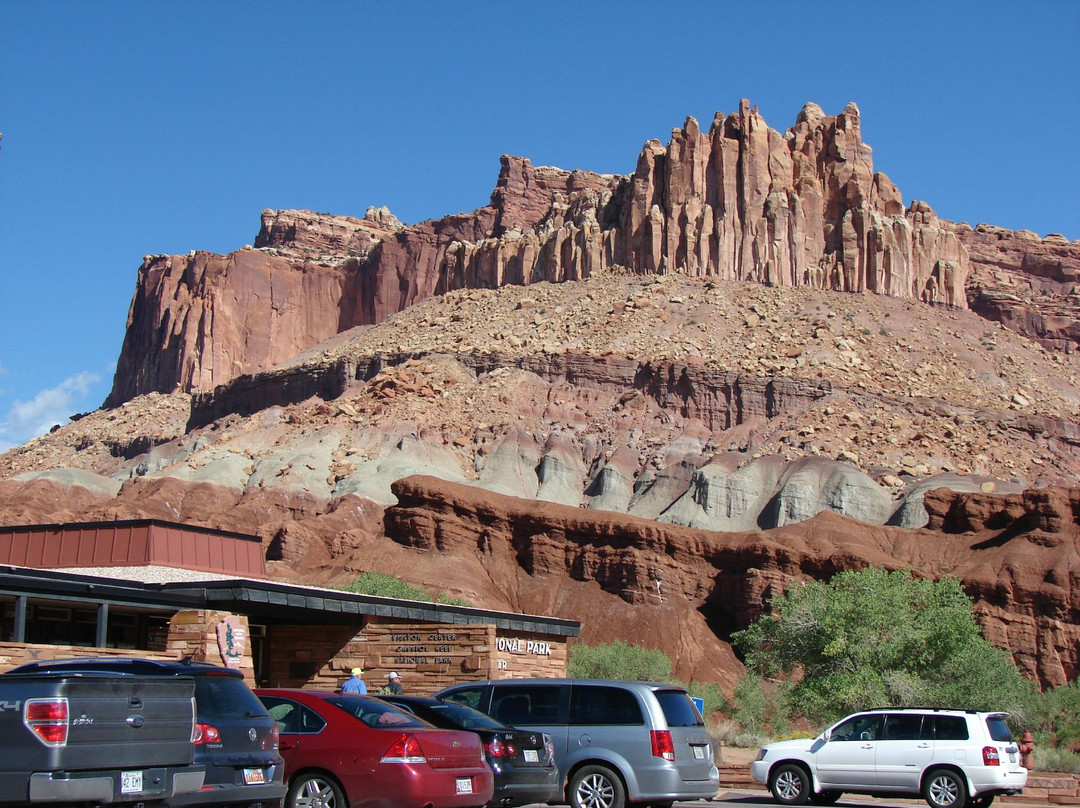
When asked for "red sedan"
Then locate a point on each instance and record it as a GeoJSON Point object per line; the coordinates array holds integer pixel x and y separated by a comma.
{"type": "Point", "coordinates": [344, 751]}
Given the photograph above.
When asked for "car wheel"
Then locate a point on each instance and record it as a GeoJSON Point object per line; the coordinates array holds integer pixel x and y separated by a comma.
{"type": "Point", "coordinates": [944, 788]}
{"type": "Point", "coordinates": [825, 797]}
{"type": "Point", "coordinates": [315, 790]}
{"type": "Point", "coordinates": [596, 787]}
{"type": "Point", "coordinates": [790, 784]}
{"type": "Point", "coordinates": [982, 801]}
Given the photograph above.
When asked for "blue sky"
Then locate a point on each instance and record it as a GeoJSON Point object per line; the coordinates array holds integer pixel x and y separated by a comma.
{"type": "Point", "coordinates": [136, 128]}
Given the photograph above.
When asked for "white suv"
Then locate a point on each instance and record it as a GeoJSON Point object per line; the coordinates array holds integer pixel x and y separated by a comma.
{"type": "Point", "coordinates": [953, 758]}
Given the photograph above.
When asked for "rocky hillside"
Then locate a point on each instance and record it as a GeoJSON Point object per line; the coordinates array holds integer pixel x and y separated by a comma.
{"type": "Point", "coordinates": [641, 401]}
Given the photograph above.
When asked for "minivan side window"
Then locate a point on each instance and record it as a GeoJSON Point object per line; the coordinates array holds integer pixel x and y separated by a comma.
{"type": "Point", "coordinates": [599, 704]}
{"type": "Point", "coordinates": [678, 709]}
{"type": "Point", "coordinates": [526, 704]}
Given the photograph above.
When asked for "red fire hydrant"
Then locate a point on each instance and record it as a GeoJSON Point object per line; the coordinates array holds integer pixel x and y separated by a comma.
{"type": "Point", "coordinates": [1027, 750]}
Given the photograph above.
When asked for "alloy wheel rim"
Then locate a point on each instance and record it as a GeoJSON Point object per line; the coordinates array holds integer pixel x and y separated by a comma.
{"type": "Point", "coordinates": [595, 791]}
{"type": "Point", "coordinates": [788, 785]}
{"type": "Point", "coordinates": [316, 793]}
{"type": "Point", "coordinates": [944, 791]}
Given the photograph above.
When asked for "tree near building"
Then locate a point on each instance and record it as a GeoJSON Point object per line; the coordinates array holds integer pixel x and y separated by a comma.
{"type": "Point", "coordinates": [875, 638]}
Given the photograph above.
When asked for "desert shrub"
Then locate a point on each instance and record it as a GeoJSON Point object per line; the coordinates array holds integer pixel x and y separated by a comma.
{"type": "Point", "coordinates": [1053, 716]}
{"type": "Point", "coordinates": [617, 660]}
{"type": "Point", "coordinates": [731, 733]}
{"type": "Point", "coordinates": [1049, 759]}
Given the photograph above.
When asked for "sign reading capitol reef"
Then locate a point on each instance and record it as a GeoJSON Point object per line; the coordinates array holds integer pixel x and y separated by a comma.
{"type": "Point", "coordinates": [429, 656]}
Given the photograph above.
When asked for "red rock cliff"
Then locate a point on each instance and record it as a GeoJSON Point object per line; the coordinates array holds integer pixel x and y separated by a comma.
{"type": "Point", "coordinates": [744, 201]}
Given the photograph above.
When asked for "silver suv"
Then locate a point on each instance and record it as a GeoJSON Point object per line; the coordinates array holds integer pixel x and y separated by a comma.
{"type": "Point", "coordinates": [953, 758]}
{"type": "Point", "coordinates": [615, 741]}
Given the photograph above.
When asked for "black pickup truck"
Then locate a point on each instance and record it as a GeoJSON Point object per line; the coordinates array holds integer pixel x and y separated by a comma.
{"type": "Point", "coordinates": [92, 739]}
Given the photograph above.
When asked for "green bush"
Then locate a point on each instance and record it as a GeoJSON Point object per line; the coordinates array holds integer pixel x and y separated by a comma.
{"type": "Point", "coordinates": [876, 638]}
{"type": "Point", "coordinates": [1053, 716]}
{"type": "Point", "coordinates": [387, 586]}
{"type": "Point", "coordinates": [760, 710]}
{"type": "Point", "coordinates": [617, 660]}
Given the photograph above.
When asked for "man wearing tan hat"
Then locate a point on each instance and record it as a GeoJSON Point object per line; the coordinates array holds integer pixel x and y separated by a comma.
{"type": "Point", "coordinates": [355, 685]}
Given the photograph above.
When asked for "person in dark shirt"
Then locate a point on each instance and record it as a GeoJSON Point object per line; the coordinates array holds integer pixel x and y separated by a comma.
{"type": "Point", "coordinates": [394, 686]}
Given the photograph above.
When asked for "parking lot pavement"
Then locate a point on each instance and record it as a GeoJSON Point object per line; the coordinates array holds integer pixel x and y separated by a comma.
{"type": "Point", "coordinates": [751, 797]}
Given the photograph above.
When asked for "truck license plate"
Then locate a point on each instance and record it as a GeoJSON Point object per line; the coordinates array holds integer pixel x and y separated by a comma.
{"type": "Point", "coordinates": [699, 752]}
{"type": "Point", "coordinates": [254, 776]}
{"type": "Point", "coordinates": [130, 782]}
{"type": "Point", "coordinates": [532, 756]}
{"type": "Point", "coordinates": [464, 785]}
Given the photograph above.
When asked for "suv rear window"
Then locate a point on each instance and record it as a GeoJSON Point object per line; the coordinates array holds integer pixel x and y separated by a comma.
{"type": "Point", "coordinates": [678, 710]}
{"type": "Point", "coordinates": [999, 730]}
{"type": "Point", "coordinates": [225, 697]}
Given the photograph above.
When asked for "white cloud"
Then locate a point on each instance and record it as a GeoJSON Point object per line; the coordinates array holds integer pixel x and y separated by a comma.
{"type": "Point", "coordinates": [29, 419]}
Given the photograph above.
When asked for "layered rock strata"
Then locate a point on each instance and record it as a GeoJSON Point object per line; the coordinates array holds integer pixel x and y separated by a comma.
{"type": "Point", "coordinates": [1016, 556]}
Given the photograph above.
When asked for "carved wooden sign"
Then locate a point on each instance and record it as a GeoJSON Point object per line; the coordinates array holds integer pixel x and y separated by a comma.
{"type": "Point", "coordinates": [231, 640]}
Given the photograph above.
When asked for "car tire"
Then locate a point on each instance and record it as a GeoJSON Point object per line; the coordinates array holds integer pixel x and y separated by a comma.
{"type": "Point", "coordinates": [596, 787]}
{"type": "Point", "coordinates": [790, 784]}
{"type": "Point", "coordinates": [981, 801]}
{"type": "Point", "coordinates": [315, 790]}
{"type": "Point", "coordinates": [825, 797]}
{"type": "Point", "coordinates": [944, 788]}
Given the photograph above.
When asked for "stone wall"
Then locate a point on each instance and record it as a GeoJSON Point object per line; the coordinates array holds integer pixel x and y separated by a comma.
{"type": "Point", "coordinates": [195, 633]}
{"type": "Point", "coordinates": [13, 654]}
{"type": "Point", "coordinates": [429, 656]}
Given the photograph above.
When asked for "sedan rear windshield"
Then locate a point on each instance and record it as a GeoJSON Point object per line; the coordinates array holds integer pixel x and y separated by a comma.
{"type": "Point", "coordinates": [376, 713]}
{"type": "Point", "coordinates": [678, 709]}
{"type": "Point", "coordinates": [999, 730]}
{"type": "Point", "coordinates": [465, 717]}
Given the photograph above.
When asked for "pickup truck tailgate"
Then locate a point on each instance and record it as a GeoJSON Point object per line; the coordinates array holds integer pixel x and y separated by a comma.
{"type": "Point", "coordinates": [143, 721]}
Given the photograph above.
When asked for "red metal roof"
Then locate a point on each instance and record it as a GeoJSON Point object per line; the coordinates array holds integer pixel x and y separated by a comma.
{"type": "Point", "coordinates": [133, 543]}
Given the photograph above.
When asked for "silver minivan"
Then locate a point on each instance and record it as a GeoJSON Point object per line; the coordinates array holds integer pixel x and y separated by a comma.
{"type": "Point", "coordinates": [615, 741]}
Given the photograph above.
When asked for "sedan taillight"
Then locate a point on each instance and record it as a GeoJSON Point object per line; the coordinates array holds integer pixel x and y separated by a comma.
{"type": "Point", "coordinates": [406, 749]}
{"type": "Point", "coordinates": [990, 756]}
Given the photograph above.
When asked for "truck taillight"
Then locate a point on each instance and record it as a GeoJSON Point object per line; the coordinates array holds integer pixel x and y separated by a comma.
{"type": "Point", "coordinates": [662, 746]}
{"type": "Point", "coordinates": [205, 733]}
{"type": "Point", "coordinates": [990, 756]}
{"type": "Point", "coordinates": [47, 719]}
